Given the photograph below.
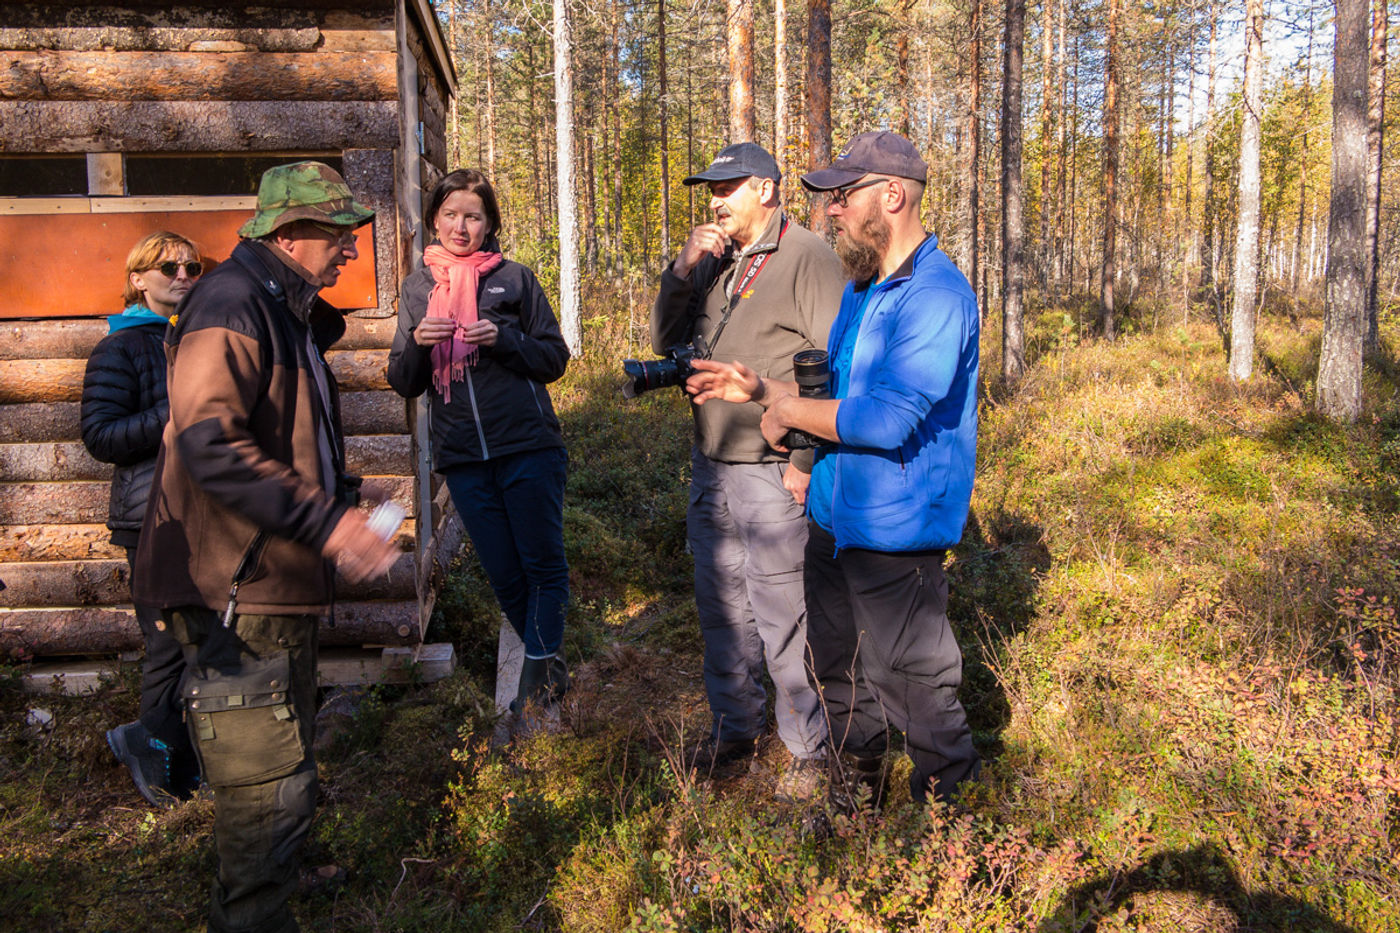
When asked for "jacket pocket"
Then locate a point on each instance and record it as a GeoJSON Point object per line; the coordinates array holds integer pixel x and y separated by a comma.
{"type": "Point", "coordinates": [246, 729]}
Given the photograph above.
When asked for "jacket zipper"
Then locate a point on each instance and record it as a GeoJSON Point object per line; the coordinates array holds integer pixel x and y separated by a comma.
{"type": "Point", "coordinates": [476, 416]}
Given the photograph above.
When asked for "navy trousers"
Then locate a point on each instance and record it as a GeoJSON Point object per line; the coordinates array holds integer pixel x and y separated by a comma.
{"type": "Point", "coordinates": [884, 655]}
{"type": "Point", "coordinates": [513, 510]}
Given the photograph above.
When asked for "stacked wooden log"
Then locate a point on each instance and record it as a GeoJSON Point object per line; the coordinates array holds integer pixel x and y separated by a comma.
{"type": "Point", "coordinates": [67, 586]}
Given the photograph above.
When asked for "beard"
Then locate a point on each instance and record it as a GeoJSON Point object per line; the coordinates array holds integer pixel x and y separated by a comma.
{"type": "Point", "coordinates": [862, 247]}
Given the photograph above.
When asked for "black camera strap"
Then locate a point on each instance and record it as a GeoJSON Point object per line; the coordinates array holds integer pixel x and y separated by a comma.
{"type": "Point", "coordinates": [755, 266]}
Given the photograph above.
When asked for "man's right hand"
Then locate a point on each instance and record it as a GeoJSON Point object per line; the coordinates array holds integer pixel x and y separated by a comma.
{"type": "Point", "coordinates": [706, 238]}
{"type": "Point", "coordinates": [359, 553]}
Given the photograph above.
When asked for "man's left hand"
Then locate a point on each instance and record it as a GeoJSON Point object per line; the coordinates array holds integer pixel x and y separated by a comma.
{"type": "Point", "coordinates": [796, 482]}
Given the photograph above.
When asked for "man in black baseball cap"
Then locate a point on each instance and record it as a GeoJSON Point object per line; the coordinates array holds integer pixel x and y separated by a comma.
{"type": "Point", "coordinates": [890, 493]}
{"type": "Point", "coordinates": [757, 288]}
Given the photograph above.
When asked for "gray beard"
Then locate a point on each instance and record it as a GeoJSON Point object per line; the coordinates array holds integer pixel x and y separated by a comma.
{"type": "Point", "coordinates": [861, 259]}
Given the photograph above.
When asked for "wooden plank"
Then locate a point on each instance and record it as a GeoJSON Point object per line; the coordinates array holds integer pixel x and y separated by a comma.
{"type": "Point", "coordinates": [37, 26]}
{"type": "Point", "coordinates": [67, 630]}
{"type": "Point", "coordinates": [370, 174]}
{"type": "Point", "coordinates": [54, 503]}
{"type": "Point", "coordinates": [373, 413]}
{"type": "Point", "coordinates": [107, 581]}
{"type": "Point", "coordinates": [368, 333]}
{"type": "Point", "coordinates": [379, 454]}
{"type": "Point", "coordinates": [65, 339]}
{"type": "Point", "coordinates": [41, 381]}
{"type": "Point", "coordinates": [57, 542]}
{"type": "Point", "coordinates": [209, 75]}
{"type": "Point", "coordinates": [184, 204]}
{"type": "Point", "coordinates": [336, 666]}
{"type": "Point", "coordinates": [40, 421]}
{"type": "Point", "coordinates": [431, 31]}
{"type": "Point", "coordinates": [106, 171]}
{"type": "Point", "coordinates": [196, 126]}
{"type": "Point", "coordinates": [65, 583]}
{"type": "Point", "coordinates": [356, 370]}
{"type": "Point", "coordinates": [359, 31]}
{"type": "Point", "coordinates": [26, 206]}
{"type": "Point", "coordinates": [51, 462]}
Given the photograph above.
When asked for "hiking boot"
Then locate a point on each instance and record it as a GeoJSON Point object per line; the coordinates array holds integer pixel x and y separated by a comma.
{"type": "Point", "coordinates": [858, 779]}
{"type": "Point", "coordinates": [716, 753]}
{"type": "Point", "coordinates": [803, 781]}
{"type": "Point", "coordinates": [148, 760]}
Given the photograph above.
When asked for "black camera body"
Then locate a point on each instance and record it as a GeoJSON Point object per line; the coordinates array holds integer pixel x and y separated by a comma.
{"type": "Point", "coordinates": [812, 372]}
{"type": "Point", "coordinates": [673, 369]}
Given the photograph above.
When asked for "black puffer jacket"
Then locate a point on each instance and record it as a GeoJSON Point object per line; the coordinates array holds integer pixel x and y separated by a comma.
{"type": "Point", "coordinates": [123, 415]}
{"type": "Point", "coordinates": [502, 406]}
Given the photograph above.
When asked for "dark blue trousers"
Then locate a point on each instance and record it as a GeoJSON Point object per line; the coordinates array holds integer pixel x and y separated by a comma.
{"type": "Point", "coordinates": [884, 655]}
{"type": "Point", "coordinates": [513, 510]}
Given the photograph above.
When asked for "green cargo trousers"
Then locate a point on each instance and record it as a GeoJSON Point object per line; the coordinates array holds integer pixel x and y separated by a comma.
{"type": "Point", "coordinates": [250, 701]}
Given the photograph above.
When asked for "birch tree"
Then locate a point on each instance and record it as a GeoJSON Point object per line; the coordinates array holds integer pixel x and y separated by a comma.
{"type": "Point", "coordinates": [570, 306]}
{"type": "Point", "coordinates": [1247, 231]}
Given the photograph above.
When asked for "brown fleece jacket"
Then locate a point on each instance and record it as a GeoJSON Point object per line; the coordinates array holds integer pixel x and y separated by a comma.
{"type": "Point", "coordinates": [790, 306]}
{"type": "Point", "coordinates": [252, 444]}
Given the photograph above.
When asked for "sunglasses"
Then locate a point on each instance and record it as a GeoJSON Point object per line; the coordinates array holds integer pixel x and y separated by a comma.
{"type": "Point", "coordinates": [170, 268]}
{"type": "Point", "coordinates": [345, 238]}
{"type": "Point", "coordinates": [839, 196]}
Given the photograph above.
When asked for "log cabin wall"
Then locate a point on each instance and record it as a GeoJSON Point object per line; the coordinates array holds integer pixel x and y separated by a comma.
{"type": "Point", "coordinates": [112, 83]}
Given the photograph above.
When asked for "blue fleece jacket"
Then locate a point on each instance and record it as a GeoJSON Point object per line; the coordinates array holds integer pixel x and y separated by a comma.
{"type": "Point", "coordinates": [133, 316]}
{"type": "Point", "coordinates": [905, 357]}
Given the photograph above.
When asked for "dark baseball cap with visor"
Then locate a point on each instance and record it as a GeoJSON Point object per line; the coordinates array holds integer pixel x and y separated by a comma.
{"type": "Point", "coordinates": [741, 160]}
{"type": "Point", "coordinates": [878, 153]}
{"type": "Point", "coordinates": [304, 191]}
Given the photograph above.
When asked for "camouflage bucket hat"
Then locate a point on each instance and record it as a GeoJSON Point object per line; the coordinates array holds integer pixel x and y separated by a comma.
{"type": "Point", "coordinates": [304, 191]}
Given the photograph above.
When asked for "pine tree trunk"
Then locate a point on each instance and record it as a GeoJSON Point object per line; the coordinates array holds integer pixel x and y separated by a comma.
{"type": "Point", "coordinates": [1013, 353]}
{"type": "Point", "coordinates": [1247, 228]}
{"type": "Point", "coordinates": [1303, 160]}
{"type": "Point", "coordinates": [1344, 320]}
{"type": "Point", "coordinates": [741, 96]}
{"type": "Point", "coordinates": [818, 92]}
{"type": "Point", "coordinates": [780, 87]}
{"type": "Point", "coordinates": [665, 138]}
{"type": "Point", "coordinates": [1047, 97]}
{"type": "Point", "coordinates": [1208, 205]}
{"type": "Point", "coordinates": [969, 211]}
{"type": "Point", "coordinates": [1375, 141]}
{"type": "Point", "coordinates": [1110, 174]}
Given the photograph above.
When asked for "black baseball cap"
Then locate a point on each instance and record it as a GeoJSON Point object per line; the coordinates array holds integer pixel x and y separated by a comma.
{"type": "Point", "coordinates": [740, 160]}
{"type": "Point", "coordinates": [881, 153]}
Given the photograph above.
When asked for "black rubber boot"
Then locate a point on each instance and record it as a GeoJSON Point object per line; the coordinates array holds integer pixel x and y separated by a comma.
{"type": "Point", "coordinates": [542, 681]}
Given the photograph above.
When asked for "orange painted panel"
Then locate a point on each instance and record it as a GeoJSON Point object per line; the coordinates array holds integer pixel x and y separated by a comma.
{"type": "Point", "coordinates": [72, 265]}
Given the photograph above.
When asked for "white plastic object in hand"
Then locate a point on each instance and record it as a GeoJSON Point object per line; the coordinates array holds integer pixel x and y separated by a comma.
{"type": "Point", "coordinates": [385, 520]}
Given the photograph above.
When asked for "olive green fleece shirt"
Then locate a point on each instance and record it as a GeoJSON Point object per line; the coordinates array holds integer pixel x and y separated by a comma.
{"type": "Point", "coordinates": [788, 306]}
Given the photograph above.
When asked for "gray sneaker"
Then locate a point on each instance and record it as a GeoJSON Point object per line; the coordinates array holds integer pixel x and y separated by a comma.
{"type": "Point", "coordinates": [148, 760]}
{"type": "Point", "coordinates": [804, 780]}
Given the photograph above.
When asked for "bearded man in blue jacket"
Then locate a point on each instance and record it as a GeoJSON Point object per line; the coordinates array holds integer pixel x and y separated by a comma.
{"type": "Point", "coordinates": [890, 491]}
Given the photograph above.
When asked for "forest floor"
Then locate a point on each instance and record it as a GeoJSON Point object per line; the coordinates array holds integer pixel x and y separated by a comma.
{"type": "Point", "coordinates": [1177, 603]}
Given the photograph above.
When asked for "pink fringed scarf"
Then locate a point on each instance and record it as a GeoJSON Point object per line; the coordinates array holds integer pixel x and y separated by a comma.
{"type": "Point", "coordinates": [454, 296]}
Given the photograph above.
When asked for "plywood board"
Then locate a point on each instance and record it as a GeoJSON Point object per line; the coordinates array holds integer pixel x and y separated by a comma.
{"type": "Point", "coordinates": [75, 265]}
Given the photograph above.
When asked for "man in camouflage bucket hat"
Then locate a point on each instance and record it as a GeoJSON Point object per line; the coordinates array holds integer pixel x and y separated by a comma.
{"type": "Point", "coordinates": [251, 512]}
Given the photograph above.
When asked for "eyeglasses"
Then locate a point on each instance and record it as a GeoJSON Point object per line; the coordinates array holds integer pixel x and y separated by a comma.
{"type": "Point", "coordinates": [343, 237]}
{"type": "Point", "coordinates": [839, 196]}
{"type": "Point", "coordinates": [170, 268]}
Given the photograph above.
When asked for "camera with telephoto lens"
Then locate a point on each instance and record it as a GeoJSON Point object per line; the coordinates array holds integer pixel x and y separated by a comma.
{"type": "Point", "coordinates": [673, 369]}
{"type": "Point", "coordinates": [811, 372]}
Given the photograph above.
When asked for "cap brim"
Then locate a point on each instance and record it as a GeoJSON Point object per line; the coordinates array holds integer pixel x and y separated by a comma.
{"type": "Point", "coordinates": [715, 174]}
{"type": "Point", "coordinates": [828, 178]}
{"type": "Point", "coordinates": [262, 223]}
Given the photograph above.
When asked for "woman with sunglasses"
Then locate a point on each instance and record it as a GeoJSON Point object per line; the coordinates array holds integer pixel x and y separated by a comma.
{"type": "Point", "coordinates": [476, 333]}
{"type": "Point", "coordinates": [124, 411]}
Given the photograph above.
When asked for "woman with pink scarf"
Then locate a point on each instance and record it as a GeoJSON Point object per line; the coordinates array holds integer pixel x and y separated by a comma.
{"type": "Point", "coordinates": [477, 333]}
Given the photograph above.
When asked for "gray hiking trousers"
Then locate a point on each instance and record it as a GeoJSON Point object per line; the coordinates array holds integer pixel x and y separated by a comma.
{"type": "Point", "coordinates": [748, 536]}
